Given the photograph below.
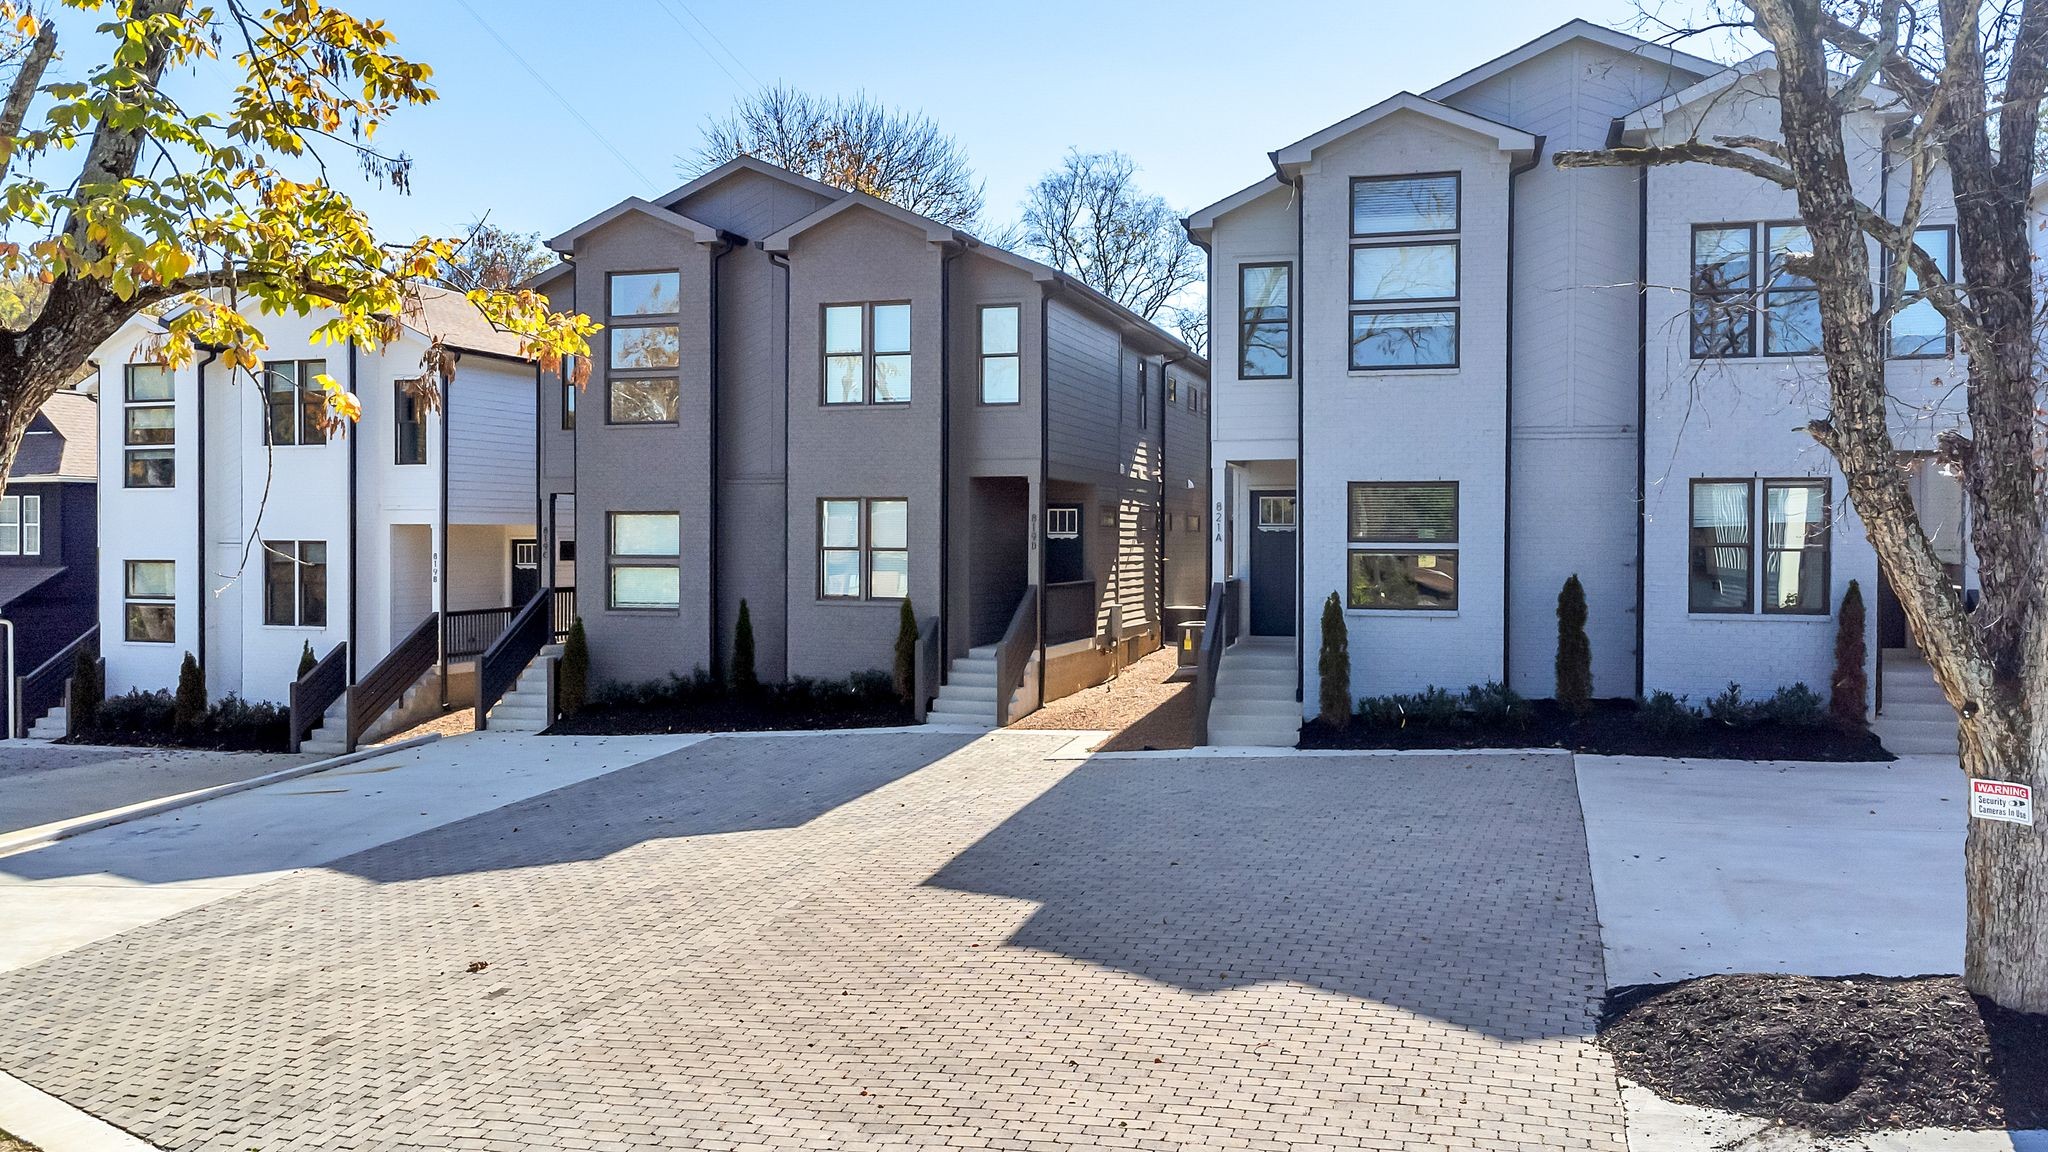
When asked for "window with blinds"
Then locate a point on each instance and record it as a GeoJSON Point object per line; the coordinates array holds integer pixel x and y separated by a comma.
{"type": "Point", "coordinates": [1404, 513]}
{"type": "Point", "coordinates": [1395, 205]}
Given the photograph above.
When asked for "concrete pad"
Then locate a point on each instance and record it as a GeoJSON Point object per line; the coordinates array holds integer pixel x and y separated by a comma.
{"type": "Point", "coordinates": [62, 895]}
{"type": "Point", "coordinates": [41, 783]}
{"type": "Point", "coordinates": [1658, 1125]}
{"type": "Point", "coordinates": [1703, 866]}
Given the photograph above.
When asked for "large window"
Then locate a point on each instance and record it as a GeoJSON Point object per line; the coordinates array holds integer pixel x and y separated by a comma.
{"type": "Point", "coordinates": [1265, 321]}
{"type": "Point", "coordinates": [296, 403]}
{"type": "Point", "coordinates": [1919, 331]}
{"type": "Point", "coordinates": [1732, 298]}
{"type": "Point", "coordinates": [999, 356]}
{"type": "Point", "coordinates": [645, 560]}
{"type": "Point", "coordinates": [863, 549]}
{"type": "Point", "coordinates": [1388, 277]}
{"type": "Point", "coordinates": [1796, 547]}
{"type": "Point", "coordinates": [150, 589]}
{"type": "Point", "coordinates": [295, 583]}
{"type": "Point", "coordinates": [643, 382]}
{"type": "Point", "coordinates": [867, 354]}
{"type": "Point", "coordinates": [1720, 546]}
{"type": "Point", "coordinates": [1403, 555]}
{"type": "Point", "coordinates": [21, 525]}
{"type": "Point", "coordinates": [646, 293]}
{"type": "Point", "coordinates": [410, 410]}
{"type": "Point", "coordinates": [149, 415]}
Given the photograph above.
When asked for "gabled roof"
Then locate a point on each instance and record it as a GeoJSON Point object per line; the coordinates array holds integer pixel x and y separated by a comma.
{"type": "Point", "coordinates": [746, 164]}
{"type": "Point", "coordinates": [1565, 34]}
{"type": "Point", "coordinates": [448, 315]}
{"type": "Point", "coordinates": [932, 229]}
{"type": "Point", "coordinates": [699, 231]}
{"type": "Point", "coordinates": [546, 275]}
{"type": "Point", "coordinates": [62, 442]}
{"type": "Point", "coordinates": [1508, 137]}
{"type": "Point", "coordinates": [1651, 117]}
{"type": "Point", "coordinates": [1203, 219]}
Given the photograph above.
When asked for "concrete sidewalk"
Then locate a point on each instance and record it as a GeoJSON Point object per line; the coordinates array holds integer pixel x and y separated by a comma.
{"type": "Point", "coordinates": [42, 782]}
{"type": "Point", "coordinates": [60, 896]}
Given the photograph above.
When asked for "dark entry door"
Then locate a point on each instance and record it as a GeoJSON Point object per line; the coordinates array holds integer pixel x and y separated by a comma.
{"type": "Point", "coordinates": [1064, 560]}
{"type": "Point", "coordinates": [525, 571]}
{"type": "Point", "coordinates": [1273, 556]}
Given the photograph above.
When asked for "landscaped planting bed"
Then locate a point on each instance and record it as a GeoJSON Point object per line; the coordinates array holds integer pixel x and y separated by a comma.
{"type": "Point", "coordinates": [1835, 1055]}
{"type": "Point", "coordinates": [701, 704]}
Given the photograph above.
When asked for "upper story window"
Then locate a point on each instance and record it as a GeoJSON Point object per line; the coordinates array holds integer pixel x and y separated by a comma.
{"type": "Point", "coordinates": [296, 403]}
{"type": "Point", "coordinates": [148, 417]}
{"type": "Point", "coordinates": [643, 384]}
{"type": "Point", "coordinates": [410, 432]}
{"type": "Point", "coordinates": [999, 355]}
{"type": "Point", "coordinates": [867, 354]}
{"type": "Point", "coordinates": [646, 293]}
{"type": "Point", "coordinates": [644, 560]}
{"type": "Point", "coordinates": [21, 525]}
{"type": "Point", "coordinates": [1265, 323]}
{"type": "Point", "coordinates": [1388, 276]}
{"type": "Point", "coordinates": [295, 583]}
{"type": "Point", "coordinates": [1399, 559]}
{"type": "Point", "coordinates": [1919, 331]}
{"type": "Point", "coordinates": [1732, 297]}
{"type": "Point", "coordinates": [1144, 394]}
{"type": "Point", "coordinates": [569, 391]}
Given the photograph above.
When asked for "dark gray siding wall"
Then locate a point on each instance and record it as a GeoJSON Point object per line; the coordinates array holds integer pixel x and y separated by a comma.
{"type": "Point", "coordinates": [650, 468]}
{"type": "Point", "coordinates": [866, 451]}
{"type": "Point", "coordinates": [753, 560]}
{"type": "Point", "coordinates": [752, 205]}
{"type": "Point", "coordinates": [557, 444]}
{"type": "Point", "coordinates": [1186, 488]}
{"type": "Point", "coordinates": [58, 612]}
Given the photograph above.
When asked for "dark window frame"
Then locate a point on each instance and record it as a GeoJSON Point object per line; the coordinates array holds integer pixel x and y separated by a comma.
{"type": "Point", "coordinates": [1455, 243]}
{"type": "Point", "coordinates": [1245, 324]}
{"type": "Point", "coordinates": [402, 398]}
{"type": "Point", "coordinates": [1457, 342]}
{"type": "Point", "coordinates": [1692, 293]}
{"type": "Point", "coordinates": [130, 597]}
{"type": "Point", "coordinates": [647, 379]}
{"type": "Point", "coordinates": [1748, 606]}
{"type": "Point", "coordinates": [275, 551]}
{"type": "Point", "coordinates": [1351, 605]}
{"type": "Point", "coordinates": [1351, 535]}
{"type": "Point", "coordinates": [984, 355]}
{"type": "Point", "coordinates": [615, 560]}
{"type": "Point", "coordinates": [1355, 543]}
{"type": "Point", "coordinates": [305, 426]}
{"type": "Point", "coordinates": [613, 275]}
{"type": "Point", "coordinates": [1948, 342]}
{"type": "Point", "coordinates": [868, 353]}
{"type": "Point", "coordinates": [1761, 327]}
{"type": "Point", "coordinates": [1762, 504]}
{"type": "Point", "coordinates": [131, 452]}
{"type": "Point", "coordinates": [1458, 193]}
{"type": "Point", "coordinates": [1144, 393]}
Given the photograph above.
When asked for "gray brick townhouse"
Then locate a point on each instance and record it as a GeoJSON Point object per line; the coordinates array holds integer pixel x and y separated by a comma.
{"type": "Point", "coordinates": [822, 403]}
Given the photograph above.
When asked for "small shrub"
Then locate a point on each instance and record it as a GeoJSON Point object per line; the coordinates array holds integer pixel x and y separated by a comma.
{"type": "Point", "coordinates": [1574, 651]}
{"type": "Point", "coordinates": [1382, 712]}
{"type": "Point", "coordinates": [745, 680]}
{"type": "Point", "coordinates": [572, 672]}
{"type": "Point", "coordinates": [1797, 705]}
{"type": "Point", "coordinates": [1333, 666]}
{"type": "Point", "coordinates": [307, 661]}
{"type": "Point", "coordinates": [138, 713]}
{"type": "Point", "coordinates": [1434, 708]}
{"type": "Point", "coordinates": [189, 716]}
{"type": "Point", "coordinates": [1495, 705]}
{"type": "Point", "coordinates": [88, 689]}
{"type": "Point", "coordinates": [1666, 715]}
{"type": "Point", "coordinates": [1729, 709]}
{"type": "Point", "coordinates": [906, 652]}
{"type": "Point", "coordinates": [239, 724]}
{"type": "Point", "coordinates": [1850, 686]}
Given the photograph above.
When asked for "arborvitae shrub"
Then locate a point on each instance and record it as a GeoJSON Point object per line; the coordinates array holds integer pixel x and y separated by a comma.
{"type": "Point", "coordinates": [1850, 686]}
{"type": "Point", "coordinates": [307, 661]}
{"type": "Point", "coordinates": [745, 680]}
{"type": "Point", "coordinates": [88, 689]}
{"type": "Point", "coordinates": [189, 709]}
{"type": "Point", "coordinates": [572, 673]}
{"type": "Point", "coordinates": [906, 652]}
{"type": "Point", "coordinates": [1574, 651]}
{"type": "Point", "coordinates": [1333, 666]}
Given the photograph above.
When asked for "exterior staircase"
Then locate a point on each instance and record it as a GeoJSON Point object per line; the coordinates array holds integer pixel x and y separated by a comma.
{"type": "Point", "coordinates": [968, 698]}
{"type": "Point", "coordinates": [54, 725]}
{"type": "Point", "coordinates": [330, 738]}
{"type": "Point", "coordinates": [1916, 719]}
{"type": "Point", "coordinates": [525, 707]}
{"type": "Point", "coordinates": [1255, 704]}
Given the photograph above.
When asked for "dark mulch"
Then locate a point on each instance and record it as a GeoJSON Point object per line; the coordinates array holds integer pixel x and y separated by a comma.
{"type": "Point", "coordinates": [1614, 728]}
{"type": "Point", "coordinates": [730, 716]}
{"type": "Point", "coordinates": [1834, 1055]}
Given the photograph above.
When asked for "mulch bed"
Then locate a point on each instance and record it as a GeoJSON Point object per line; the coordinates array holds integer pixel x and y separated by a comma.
{"type": "Point", "coordinates": [1614, 729]}
{"type": "Point", "coordinates": [1836, 1055]}
{"type": "Point", "coordinates": [732, 716]}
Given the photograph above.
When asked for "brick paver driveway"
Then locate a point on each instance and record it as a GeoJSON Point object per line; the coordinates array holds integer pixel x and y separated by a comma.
{"type": "Point", "coordinates": [851, 942]}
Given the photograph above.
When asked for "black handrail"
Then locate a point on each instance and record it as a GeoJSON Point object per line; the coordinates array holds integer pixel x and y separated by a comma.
{"type": "Point", "coordinates": [315, 692]}
{"type": "Point", "coordinates": [1070, 611]}
{"type": "Point", "coordinates": [499, 667]}
{"type": "Point", "coordinates": [470, 631]}
{"type": "Point", "coordinates": [925, 673]}
{"type": "Point", "coordinates": [1014, 652]}
{"type": "Point", "coordinates": [372, 695]}
{"type": "Point", "coordinates": [43, 689]}
{"type": "Point", "coordinates": [565, 612]}
{"type": "Point", "coordinates": [1219, 631]}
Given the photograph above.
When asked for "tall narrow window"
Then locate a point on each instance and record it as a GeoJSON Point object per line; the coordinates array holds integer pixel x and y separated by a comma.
{"type": "Point", "coordinates": [149, 417]}
{"type": "Point", "coordinates": [892, 353]}
{"type": "Point", "coordinates": [411, 430]}
{"type": "Point", "coordinates": [643, 381]}
{"type": "Point", "coordinates": [1796, 547]}
{"type": "Point", "coordinates": [999, 355]}
{"type": "Point", "coordinates": [1144, 394]}
{"type": "Point", "coordinates": [1720, 546]}
{"type": "Point", "coordinates": [644, 561]}
{"type": "Point", "coordinates": [867, 354]}
{"type": "Point", "coordinates": [1918, 330]}
{"type": "Point", "coordinates": [296, 403]}
{"type": "Point", "coordinates": [845, 354]}
{"type": "Point", "coordinates": [1791, 300]}
{"type": "Point", "coordinates": [1403, 555]}
{"type": "Point", "coordinates": [839, 537]}
{"type": "Point", "coordinates": [149, 608]}
{"type": "Point", "coordinates": [1723, 259]}
{"type": "Point", "coordinates": [1265, 324]}
{"type": "Point", "coordinates": [1388, 278]}
{"type": "Point", "coordinates": [295, 583]}
{"type": "Point", "coordinates": [888, 549]}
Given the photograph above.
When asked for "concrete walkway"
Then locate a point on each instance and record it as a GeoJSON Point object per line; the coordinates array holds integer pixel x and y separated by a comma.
{"type": "Point", "coordinates": [41, 783]}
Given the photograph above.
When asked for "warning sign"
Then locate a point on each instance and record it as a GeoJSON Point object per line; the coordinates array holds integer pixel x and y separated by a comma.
{"type": "Point", "coordinates": [1998, 800]}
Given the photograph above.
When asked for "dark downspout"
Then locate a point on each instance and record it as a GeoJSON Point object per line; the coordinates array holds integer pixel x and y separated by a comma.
{"type": "Point", "coordinates": [726, 243]}
{"type": "Point", "coordinates": [950, 253]}
{"type": "Point", "coordinates": [1036, 518]}
{"type": "Point", "coordinates": [1507, 519]}
{"type": "Point", "coordinates": [199, 601]}
{"type": "Point", "coordinates": [447, 551]}
{"type": "Point", "coordinates": [1300, 456]}
{"type": "Point", "coordinates": [782, 261]}
{"type": "Point", "coordinates": [353, 598]}
{"type": "Point", "coordinates": [1642, 401]}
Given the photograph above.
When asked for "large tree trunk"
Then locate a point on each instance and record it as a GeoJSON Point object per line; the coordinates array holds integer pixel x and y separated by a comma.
{"type": "Point", "coordinates": [2006, 866]}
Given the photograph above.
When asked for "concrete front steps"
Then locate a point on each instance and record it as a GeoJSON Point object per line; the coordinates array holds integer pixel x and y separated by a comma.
{"type": "Point", "coordinates": [1254, 705]}
{"type": "Point", "coordinates": [54, 725]}
{"type": "Point", "coordinates": [1916, 719]}
{"type": "Point", "coordinates": [525, 707]}
{"type": "Point", "coordinates": [968, 698]}
{"type": "Point", "coordinates": [329, 738]}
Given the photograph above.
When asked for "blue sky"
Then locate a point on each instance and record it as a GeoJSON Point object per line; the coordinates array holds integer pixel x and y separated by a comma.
{"type": "Point", "coordinates": [1192, 92]}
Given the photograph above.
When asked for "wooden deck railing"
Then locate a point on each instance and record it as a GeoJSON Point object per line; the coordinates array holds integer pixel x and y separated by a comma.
{"type": "Point", "coordinates": [315, 692]}
{"type": "Point", "coordinates": [1014, 653]}
{"type": "Point", "coordinates": [1219, 631]}
{"type": "Point", "coordinates": [499, 667]}
{"type": "Point", "coordinates": [379, 688]}
{"type": "Point", "coordinates": [1070, 611]}
{"type": "Point", "coordinates": [44, 688]}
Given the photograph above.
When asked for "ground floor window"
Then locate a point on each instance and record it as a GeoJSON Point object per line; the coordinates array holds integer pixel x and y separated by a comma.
{"type": "Point", "coordinates": [1721, 547]}
{"type": "Point", "coordinates": [1402, 556]}
{"type": "Point", "coordinates": [295, 583]}
{"type": "Point", "coordinates": [645, 551]}
{"type": "Point", "coordinates": [863, 548]}
{"type": "Point", "coordinates": [151, 615]}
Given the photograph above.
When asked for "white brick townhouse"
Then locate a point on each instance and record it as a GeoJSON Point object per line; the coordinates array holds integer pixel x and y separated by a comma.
{"type": "Point", "coordinates": [1448, 375]}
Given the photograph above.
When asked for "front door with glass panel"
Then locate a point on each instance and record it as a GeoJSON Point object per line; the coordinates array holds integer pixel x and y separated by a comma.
{"type": "Point", "coordinates": [1273, 557]}
{"type": "Point", "coordinates": [1064, 560]}
{"type": "Point", "coordinates": [525, 571]}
